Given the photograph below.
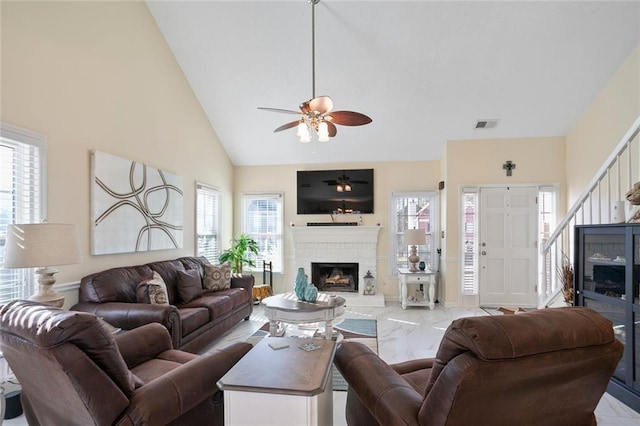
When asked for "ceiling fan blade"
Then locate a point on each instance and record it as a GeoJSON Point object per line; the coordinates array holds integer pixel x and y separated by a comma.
{"type": "Point", "coordinates": [348, 118]}
{"type": "Point", "coordinates": [287, 126]}
{"type": "Point", "coordinates": [322, 104]}
{"type": "Point", "coordinates": [286, 111]}
{"type": "Point", "coordinates": [332, 129]}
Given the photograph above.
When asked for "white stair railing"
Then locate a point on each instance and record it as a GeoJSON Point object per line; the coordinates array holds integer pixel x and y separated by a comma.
{"type": "Point", "coordinates": [616, 176]}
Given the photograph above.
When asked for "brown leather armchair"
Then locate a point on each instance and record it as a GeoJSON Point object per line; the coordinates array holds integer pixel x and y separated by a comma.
{"type": "Point", "coordinates": [546, 367]}
{"type": "Point", "coordinates": [74, 372]}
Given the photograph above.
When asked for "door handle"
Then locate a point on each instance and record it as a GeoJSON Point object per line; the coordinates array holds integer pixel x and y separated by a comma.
{"type": "Point", "coordinates": [484, 253]}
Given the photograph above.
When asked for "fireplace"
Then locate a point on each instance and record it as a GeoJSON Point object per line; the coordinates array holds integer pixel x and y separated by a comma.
{"type": "Point", "coordinates": [335, 276]}
{"type": "Point", "coordinates": [338, 244]}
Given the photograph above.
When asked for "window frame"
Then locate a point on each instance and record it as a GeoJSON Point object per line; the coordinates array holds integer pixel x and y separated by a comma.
{"type": "Point", "coordinates": [217, 193]}
{"type": "Point", "coordinates": [278, 260]}
{"type": "Point", "coordinates": [19, 138]}
{"type": "Point", "coordinates": [432, 237]}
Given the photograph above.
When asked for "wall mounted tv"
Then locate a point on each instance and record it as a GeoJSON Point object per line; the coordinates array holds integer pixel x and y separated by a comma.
{"type": "Point", "coordinates": [335, 191]}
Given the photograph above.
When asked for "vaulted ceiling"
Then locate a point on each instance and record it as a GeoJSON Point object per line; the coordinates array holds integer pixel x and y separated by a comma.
{"type": "Point", "coordinates": [424, 71]}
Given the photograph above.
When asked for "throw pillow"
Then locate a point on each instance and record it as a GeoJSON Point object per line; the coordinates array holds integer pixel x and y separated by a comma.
{"type": "Point", "coordinates": [152, 290]}
{"type": "Point", "coordinates": [217, 277]}
{"type": "Point", "coordinates": [189, 285]}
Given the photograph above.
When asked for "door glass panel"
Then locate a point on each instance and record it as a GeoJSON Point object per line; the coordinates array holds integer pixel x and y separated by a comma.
{"type": "Point", "coordinates": [616, 315]}
{"type": "Point", "coordinates": [604, 264]}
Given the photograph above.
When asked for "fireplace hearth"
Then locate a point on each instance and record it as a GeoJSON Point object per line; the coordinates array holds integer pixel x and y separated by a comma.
{"type": "Point", "coordinates": [335, 276]}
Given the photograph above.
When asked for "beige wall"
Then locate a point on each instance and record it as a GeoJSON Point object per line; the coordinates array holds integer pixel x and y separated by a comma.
{"type": "Point", "coordinates": [602, 126]}
{"type": "Point", "coordinates": [479, 162]}
{"type": "Point", "coordinates": [99, 75]}
{"type": "Point", "coordinates": [388, 177]}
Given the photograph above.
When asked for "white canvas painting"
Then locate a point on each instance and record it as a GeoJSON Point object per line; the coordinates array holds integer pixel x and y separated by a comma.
{"type": "Point", "coordinates": [134, 207]}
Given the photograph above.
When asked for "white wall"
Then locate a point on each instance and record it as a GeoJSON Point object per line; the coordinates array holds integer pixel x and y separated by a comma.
{"type": "Point", "coordinates": [99, 75]}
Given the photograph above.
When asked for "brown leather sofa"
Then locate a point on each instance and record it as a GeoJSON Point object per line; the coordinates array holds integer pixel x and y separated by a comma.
{"type": "Point", "coordinates": [74, 372]}
{"type": "Point", "coordinates": [547, 367]}
{"type": "Point", "coordinates": [111, 295]}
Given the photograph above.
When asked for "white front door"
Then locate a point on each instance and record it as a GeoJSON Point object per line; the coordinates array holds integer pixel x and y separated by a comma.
{"type": "Point", "coordinates": [508, 249]}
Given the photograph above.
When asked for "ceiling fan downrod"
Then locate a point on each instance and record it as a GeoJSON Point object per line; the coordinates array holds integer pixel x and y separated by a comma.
{"type": "Point", "coordinates": [313, 46]}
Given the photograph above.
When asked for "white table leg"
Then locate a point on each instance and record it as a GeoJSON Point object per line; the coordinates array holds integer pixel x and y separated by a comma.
{"type": "Point", "coordinates": [273, 328]}
{"type": "Point", "coordinates": [328, 329]}
{"type": "Point", "coordinates": [403, 293]}
{"type": "Point", "coordinates": [432, 292]}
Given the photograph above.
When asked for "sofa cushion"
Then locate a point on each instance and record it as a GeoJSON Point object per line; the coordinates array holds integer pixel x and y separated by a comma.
{"type": "Point", "coordinates": [189, 285]}
{"type": "Point", "coordinates": [152, 290]}
{"type": "Point", "coordinates": [239, 296]}
{"type": "Point", "coordinates": [217, 277]}
{"type": "Point", "coordinates": [193, 318]}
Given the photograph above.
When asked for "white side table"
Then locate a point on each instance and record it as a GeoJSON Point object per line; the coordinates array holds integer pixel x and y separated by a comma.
{"type": "Point", "coordinates": [427, 278]}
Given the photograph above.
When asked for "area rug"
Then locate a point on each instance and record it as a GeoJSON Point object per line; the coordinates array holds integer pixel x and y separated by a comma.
{"type": "Point", "coordinates": [364, 331]}
{"type": "Point", "coordinates": [506, 311]}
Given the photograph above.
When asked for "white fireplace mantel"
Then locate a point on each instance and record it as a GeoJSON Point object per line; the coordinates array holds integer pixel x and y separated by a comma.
{"type": "Point", "coordinates": [335, 234]}
{"type": "Point", "coordinates": [357, 244]}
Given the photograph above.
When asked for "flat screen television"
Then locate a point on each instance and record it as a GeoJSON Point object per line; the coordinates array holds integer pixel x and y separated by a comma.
{"type": "Point", "coordinates": [335, 191]}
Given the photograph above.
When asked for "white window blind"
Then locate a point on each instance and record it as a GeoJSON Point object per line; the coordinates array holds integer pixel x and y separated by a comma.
{"type": "Point", "coordinates": [207, 222]}
{"type": "Point", "coordinates": [413, 210]}
{"type": "Point", "coordinates": [262, 218]}
{"type": "Point", "coordinates": [22, 171]}
{"type": "Point", "coordinates": [469, 241]}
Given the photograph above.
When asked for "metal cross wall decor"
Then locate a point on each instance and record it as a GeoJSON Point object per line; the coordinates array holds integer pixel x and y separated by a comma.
{"type": "Point", "coordinates": [508, 166]}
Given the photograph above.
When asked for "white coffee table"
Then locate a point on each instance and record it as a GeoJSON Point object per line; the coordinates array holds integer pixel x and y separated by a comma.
{"type": "Point", "coordinates": [287, 308]}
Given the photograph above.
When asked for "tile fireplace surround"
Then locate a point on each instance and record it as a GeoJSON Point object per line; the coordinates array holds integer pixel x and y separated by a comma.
{"type": "Point", "coordinates": [358, 244]}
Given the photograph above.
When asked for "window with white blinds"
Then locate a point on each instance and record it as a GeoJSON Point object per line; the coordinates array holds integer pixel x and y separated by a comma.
{"type": "Point", "coordinates": [262, 220]}
{"type": "Point", "coordinates": [207, 222]}
{"type": "Point", "coordinates": [413, 210]}
{"type": "Point", "coordinates": [469, 241]}
{"type": "Point", "coordinates": [22, 172]}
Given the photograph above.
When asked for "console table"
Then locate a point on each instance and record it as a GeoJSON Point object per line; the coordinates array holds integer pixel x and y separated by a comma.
{"type": "Point", "coordinates": [287, 308]}
{"type": "Point", "coordinates": [287, 386]}
{"type": "Point", "coordinates": [427, 278]}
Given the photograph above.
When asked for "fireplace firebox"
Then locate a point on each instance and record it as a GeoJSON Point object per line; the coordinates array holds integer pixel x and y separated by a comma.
{"type": "Point", "coordinates": [335, 276]}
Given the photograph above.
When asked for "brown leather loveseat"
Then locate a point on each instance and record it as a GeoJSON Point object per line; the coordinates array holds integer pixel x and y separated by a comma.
{"type": "Point", "coordinates": [547, 367]}
{"type": "Point", "coordinates": [73, 371]}
{"type": "Point", "coordinates": [112, 295]}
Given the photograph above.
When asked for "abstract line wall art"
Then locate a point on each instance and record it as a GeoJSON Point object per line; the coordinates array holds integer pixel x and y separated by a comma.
{"type": "Point", "coordinates": [134, 207]}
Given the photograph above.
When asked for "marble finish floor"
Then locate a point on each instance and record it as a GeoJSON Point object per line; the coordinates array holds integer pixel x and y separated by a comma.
{"type": "Point", "coordinates": [416, 333]}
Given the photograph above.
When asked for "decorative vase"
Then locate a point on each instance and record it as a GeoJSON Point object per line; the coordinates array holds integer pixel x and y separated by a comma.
{"type": "Point", "coordinates": [300, 284]}
{"type": "Point", "coordinates": [422, 266]}
{"type": "Point", "coordinates": [311, 293]}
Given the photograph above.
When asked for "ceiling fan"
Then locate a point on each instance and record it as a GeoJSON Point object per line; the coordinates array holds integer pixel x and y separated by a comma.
{"type": "Point", "coordinates": [317, 113]}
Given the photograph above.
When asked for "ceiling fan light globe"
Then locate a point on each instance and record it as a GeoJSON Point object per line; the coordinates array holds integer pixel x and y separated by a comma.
{"type": "Point", "coordinates": [302, 129]}
{"type": "Point", "coordinates": [339, 188]}
{"type": "Point", "coordinates": [347, 187]}
{"type": "Point", "coordinates": [323, 132]}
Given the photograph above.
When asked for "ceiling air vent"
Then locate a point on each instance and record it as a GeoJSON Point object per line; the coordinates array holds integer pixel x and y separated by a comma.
{"type": "Point", "coordinates": [486, 124]}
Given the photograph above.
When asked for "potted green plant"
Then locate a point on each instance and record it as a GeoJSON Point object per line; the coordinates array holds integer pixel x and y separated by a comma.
{"type": "Point", "coordinates": [238, 253]}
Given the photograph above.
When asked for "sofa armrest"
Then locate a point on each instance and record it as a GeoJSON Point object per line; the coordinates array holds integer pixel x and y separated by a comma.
{"type": "Point", "coordinates": [175, 393]}
{"type": "Point", "coordinates": [378, 387]}
{"type": "Point", "coordinates": [143, 343]}
{"type": "Point", "coordinates": [243, 281]}
{"type": "Point", "coordinates": [128, 316]}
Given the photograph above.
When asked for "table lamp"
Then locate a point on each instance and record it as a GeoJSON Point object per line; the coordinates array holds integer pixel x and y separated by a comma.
{"type": "Point", "coordinates": [42, 245]}
{"type": "Point", "coordinates": [414, 238]}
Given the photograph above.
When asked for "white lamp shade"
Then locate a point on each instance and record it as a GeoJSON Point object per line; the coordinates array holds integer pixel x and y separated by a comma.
{"type": "Point", "coordinates": [415, 237]}
{"type": "Point", "coordinates": [41, 244]}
